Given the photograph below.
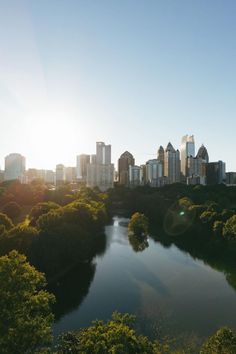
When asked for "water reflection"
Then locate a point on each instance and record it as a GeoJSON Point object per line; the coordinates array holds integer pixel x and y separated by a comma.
{"type": "Point", "coordinates": [72, 289]}
{"type": "Point", "coordinates": [169, 286]}
{"type": "Point", "coordinates": [218, 254]}
{"type": "Point", "coordinates": [138, 243]}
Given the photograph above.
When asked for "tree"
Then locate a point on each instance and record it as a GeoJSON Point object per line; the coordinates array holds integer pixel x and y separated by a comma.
{"type": "Point", "coordinates": [229, 230]}
{"type": "Point", "coordinates": [19, 238]}
{"type": "Point", "coordinates": [138, 224]}
{"type": "Point", "coordinates": [222, 342]}
{"type": "Point", "coordinates": [6, 221]}
{"type": "Point", "coordinates": [116, 336]}
{"type": "Point", "coordinates": [41, 209]}
{"type": "Point", "coordinates": [12, 209]}
{"type": "Point", "coordinates": [208, 217]}
{"type": "Point", "coordinates": [25, 316]}
{"type": "Point", "coordinates": [218, 228]}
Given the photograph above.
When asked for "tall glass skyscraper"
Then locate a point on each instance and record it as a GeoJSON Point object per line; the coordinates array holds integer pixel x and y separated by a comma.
{"type": "Point", "coordinates": [187, 149]}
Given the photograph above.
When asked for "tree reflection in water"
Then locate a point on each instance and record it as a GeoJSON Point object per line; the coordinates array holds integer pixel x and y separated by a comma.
{"type": "Point", "coordinates": [218, 254]}
{"type": "Point", "coordinates": [72, 288]}
{"type": "Point", "coordinates": [138, 243]}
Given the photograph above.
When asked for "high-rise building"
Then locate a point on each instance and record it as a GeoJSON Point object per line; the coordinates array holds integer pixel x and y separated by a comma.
{"type": "Point", "coordinates": [49, 176]}
{"type": "Point", "coordinates": [135, 176]}
{"type": "Point", "coordinates": [82, 162]}
{"type": "Point", "coordinates": [203, 154]}
{"type": "Point", "coordinates": [14, 167]}
{"type": "Point", "coordinates": [154, 173]}
{"type": "Point", "coordinates": [60, 174]}
{"type": "Point", "coordinates": [125, 160]}
{"type": "Point", "coordinates": [100, 171]}
{"type": "Point", "coordinates": [231, 178]}
{"type": "Point", "coordinates": [187, 149]}
{"type": "Point", "coordinates": [161, 156]}
{"type": "Point", "coordinates": [103, 153]}
{"type": "Point", "coordinates": [195, 170]}
{"type": "Point", "coordinates": [172, 164]}
{"type": "Point", "coordinates": [70, 174]}
{"type": "Point", "coordinates": [215, 172]}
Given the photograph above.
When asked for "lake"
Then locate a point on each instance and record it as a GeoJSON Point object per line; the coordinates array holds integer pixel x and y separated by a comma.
{"type": "Point", "coordinates": [168, 290]}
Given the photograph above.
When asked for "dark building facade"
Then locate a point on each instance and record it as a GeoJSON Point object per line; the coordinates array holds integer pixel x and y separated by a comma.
{"type": "Point", "coordinates": [215, 173]}
{"type": "Point", "coordinates": [125, 160]}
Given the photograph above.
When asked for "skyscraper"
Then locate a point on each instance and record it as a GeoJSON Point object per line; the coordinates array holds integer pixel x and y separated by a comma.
{"type": "Point", "coordinates": [14, 167]}
{"type": "Point", "coordinates": [60, 174]}
{"type": "Point", "coordinates": [125, 160]}
{"type": "Point", "coordinates": [203, 154]}
{"type": "Point", "coordinates": [215, 172]}
{"type": "Point", "coordinates": [100, 171]}
{"type": "Point", "coordinates": [103, 153]}
{"type": "Point", "coordinates": [154, 173]}
{"type": "Point", "coordinates": [135, 176]}
{"type": "Point", "coordinates": [195, 170]}
{"type": "Point", "coordinates": [161, 156]}
{"type": "Point", "coordinates": [82, 162]}
{"type": "Point", "coordinates": [172, 164]}
{"type": "Point", "coordinates": [187, 149]}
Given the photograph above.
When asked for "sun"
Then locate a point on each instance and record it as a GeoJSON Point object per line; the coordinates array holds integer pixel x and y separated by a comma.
{"type": "Point", "coordinates": [51, 139]}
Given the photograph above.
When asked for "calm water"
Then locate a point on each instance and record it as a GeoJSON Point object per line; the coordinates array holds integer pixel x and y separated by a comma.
{"type": "Point", "coordinates": [168, 290]}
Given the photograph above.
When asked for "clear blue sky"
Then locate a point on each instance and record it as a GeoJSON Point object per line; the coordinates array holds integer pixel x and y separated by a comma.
{"type": "Point", "coordinates": [132, 73]}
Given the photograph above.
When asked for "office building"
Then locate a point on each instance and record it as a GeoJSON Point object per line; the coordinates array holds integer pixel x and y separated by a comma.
{"type": "Point", "coordinates": [195, 170]}
{"type": "Point", "coordinates": [135, 176]}
{"type": "Point", "coordinates": [154, 173]}
{"type": "Point", "coordinates": [103, 153]}
{"type": "Point", "coordinates": [172, 164]}
{"type": "Point", "coordinates": [125, 160]}
{"type": "Point", "coordinates": [215, 173]}
{"type": "Point", "coordinates": [82, 162]}
{"type": "Point", "coordinates": [203, 154]}
{"type": "Point", "coordinates": [231, 178]}
{"type": "Point", "coordinates": [14, 167]}
{"type": "Point", "coordinates": [100, 170]}
{"type": "Point", "coordinates": [60, 174]}
{"type": "Point", "coordinates": [187, 149]}
{"type": "Point", "coordinates": [70, 174]}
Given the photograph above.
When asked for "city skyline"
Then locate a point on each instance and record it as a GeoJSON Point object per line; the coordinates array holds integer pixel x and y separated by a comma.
{"type": "Point", "coordinates": [115, 160]}
{"type": "Point", "coordinates": [122, 72]}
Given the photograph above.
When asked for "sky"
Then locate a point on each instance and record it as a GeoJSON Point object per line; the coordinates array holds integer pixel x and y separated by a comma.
{"type": "Point", "coordinates": [135, 74]}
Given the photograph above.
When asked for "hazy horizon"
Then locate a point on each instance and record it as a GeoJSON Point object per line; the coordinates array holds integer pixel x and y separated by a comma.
{"type": "Point", "coordinates": [133, 74]}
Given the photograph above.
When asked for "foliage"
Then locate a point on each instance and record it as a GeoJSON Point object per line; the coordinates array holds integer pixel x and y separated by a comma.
{"type": "Point", "coordinates": [41, 209]}
{"type": "Point", "coordinates": [115, 336]}
{"type": "Point", "coordinates": [19, 238]}
{"type": "Point", "coordinates": [208, 217]}
{"type": "Point", "coordinates": [229, 230]}
{"type": "Point", "coordinates": [138, 243]}
{"type": "Point", "coordinates": [218, 228]}
{"type": "Point", "coordinates": [68, 235]}
{"type": "Point", "coordinates": [138, 224]}
{"type": "Point", "coordinates": [6, 221]}
{"type": "Point", "coordinates": [12, 209]}
{"type": "Point", "coordinates": [25, 317]}
{"type": "Point", "coordinates": [222, 342]}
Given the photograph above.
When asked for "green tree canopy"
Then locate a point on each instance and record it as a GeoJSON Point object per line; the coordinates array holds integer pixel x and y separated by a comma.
{"type": "Point", "coordinates": [25, 316]}
{"type": "Point", "coordinates": [41, 209]}
{"type": "Point", "coordinates": [6, 221]}
{"type": "Point", "coordinates": [222, 342]}
{"type": "Point", "coordinates": [115, 336]}
{"type": "Point", "coordinates": [138, 224]}
{"type": "Point", "coordinates": [229, 230]}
